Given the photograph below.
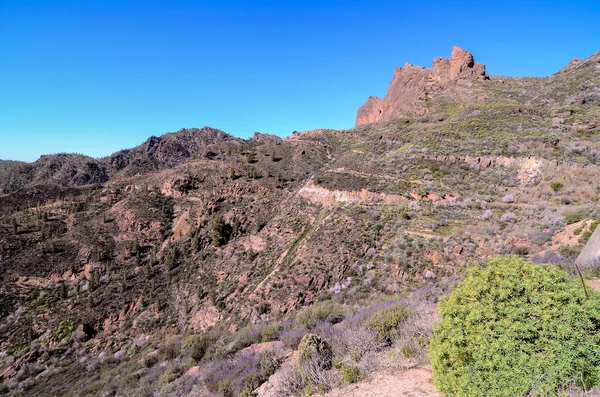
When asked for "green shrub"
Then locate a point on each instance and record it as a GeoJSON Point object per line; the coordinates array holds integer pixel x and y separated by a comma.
{"type": "Point", "coordinates": [245, 337]}
{"type": "Point", "coordinates": [247, 392]}
{"type": "Point", "coordinates": [573, 217]}
{"type": "Point", "coordinates": [312, 347]}
{"type": "Point", "coordinates": [325, 311]}
{"type": "Point", "coordinates": [521, 250]}
{"type": "Point", "coordinates": [172, 373]}
{"type": "Point", "coordinates": [515, 329]}
{"type": "Point", "coordinates": [65, 329]}
{"type": "Point", "coordinates": [19, 350]}
{"type": "Point", "coordinates": [132, 380]}
{"type": "Point", "coordinates": [150, 360]}
{"type": "Point", "coordinates": [170, 350]}
{"type": "Point", "coordinates": [198, 347]}
{"type": "Point", "coordinates": [270, 333]}
{"type": "Point", "coordinates": [588, 233]}
{"type": "Point", "coordinates": [408, 351]}
{"type": "Point", "coordinates": [594, 225]}
{"type": "Point", "coordinates": [556, 186]}
{"type": "Point", "coordinates": [569, 252]}
{"type": "Point", "coordinates": [350, 374]}
{"type": "Point", "coordinates": [92, 390]}
{"type": "Point", "coordinates": [338, 363]}
{"type": "Point", "coordinates": [321, 388]}
{"type": "Point", "coordinates": [385, 322]}
{"type": "Point", "coordinates": [167, 378]}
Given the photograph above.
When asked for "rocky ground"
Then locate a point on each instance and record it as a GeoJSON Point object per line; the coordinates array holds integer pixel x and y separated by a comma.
{"type": "Point", "coordinates": [414, 382]}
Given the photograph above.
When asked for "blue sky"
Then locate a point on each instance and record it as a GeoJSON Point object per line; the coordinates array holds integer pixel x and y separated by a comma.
{"type": "Point", "coordinates": [94, 77]}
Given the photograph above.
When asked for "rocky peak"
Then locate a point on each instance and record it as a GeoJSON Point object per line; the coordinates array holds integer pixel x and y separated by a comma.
{"type": "Point", "coordinates": [462, 63]}
{"type": "Point", "coordinates": [408, 90]}
{"type": "Point", "coordinates": [573, 64]}
{"type": "Point", "coordinates": [169, 149]}
{"type": "Point", "coordinates": [260, 138]}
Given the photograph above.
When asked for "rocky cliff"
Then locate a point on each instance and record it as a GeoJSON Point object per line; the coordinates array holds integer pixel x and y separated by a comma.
{"type": "Point", "coordinates": [411, 86]}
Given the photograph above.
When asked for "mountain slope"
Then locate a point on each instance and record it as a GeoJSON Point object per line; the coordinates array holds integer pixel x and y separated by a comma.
{"type": "Point", "coordinates": [155, 154]}
{"type": "Point", "coordinates": [197, 231]}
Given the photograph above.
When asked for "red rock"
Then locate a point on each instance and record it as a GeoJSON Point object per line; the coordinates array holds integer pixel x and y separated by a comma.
{"type": "Point", "coordinates": [408, 92]}
{"type": "Point", "coordinates": [574, 63]}
{"type": "Point", "coordinates": [460, 62]}
{"type": "Point", "coordinates": [194, 371]}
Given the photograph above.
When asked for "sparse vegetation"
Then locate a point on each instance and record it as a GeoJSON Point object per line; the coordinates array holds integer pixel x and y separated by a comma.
{"type": "Point", "coordinates": [64, 330]}
{"type": "Point", "coordinates": [326, 311]}
{"type": "Point", "coordinates": [573, 217]}
{"type": "Point", "coordinates": [556, 186]}
{"type": "Point", "coordinates": [350, 373]}
{"type": "Point", "coordinates": [385, 323]}
{"type": "Point", "coordinates": [195, 252]}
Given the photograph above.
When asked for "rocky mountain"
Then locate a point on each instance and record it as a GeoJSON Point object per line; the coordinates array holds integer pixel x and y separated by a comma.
{"type": "Point", "coordinates": [413, 86]}
{"type": "Point", "coordinates": [77, 170]}
{"type": "Point", "coordinates": [172, 266]}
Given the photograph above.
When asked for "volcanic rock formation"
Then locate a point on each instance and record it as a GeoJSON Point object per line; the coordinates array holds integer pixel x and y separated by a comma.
{"type": "Point", "coordinates": [408, 91]}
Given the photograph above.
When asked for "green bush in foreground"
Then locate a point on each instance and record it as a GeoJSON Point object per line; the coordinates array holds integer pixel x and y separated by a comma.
{"type": "Point", "coordinates": [516, 329]}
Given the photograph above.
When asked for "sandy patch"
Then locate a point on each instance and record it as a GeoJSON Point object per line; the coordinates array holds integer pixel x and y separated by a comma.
{"type": "Point", "coordinates": [414, 382]}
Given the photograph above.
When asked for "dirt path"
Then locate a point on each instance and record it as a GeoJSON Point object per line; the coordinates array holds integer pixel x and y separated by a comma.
{"type": "Point", "coordinates": [414, 382]}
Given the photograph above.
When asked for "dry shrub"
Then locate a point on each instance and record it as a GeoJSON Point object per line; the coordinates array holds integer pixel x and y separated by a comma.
{"type": "Point", "coordinates": [170, 349]}
{"type": "Point", "coordinates": [241, 374]}
{"type": "Point", "coordinates": [320, 312]}
{"type": "Point", "coordinates": [351, 344]}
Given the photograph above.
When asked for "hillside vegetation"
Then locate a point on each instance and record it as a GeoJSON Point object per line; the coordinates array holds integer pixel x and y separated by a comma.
{"type": "Point", "coordinates": [202, 264]}
{"type": "Point", "coordinates": [516, 328]}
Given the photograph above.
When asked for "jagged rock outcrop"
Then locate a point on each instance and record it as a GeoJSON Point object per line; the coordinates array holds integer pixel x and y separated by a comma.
{"type": "Point", "coordinates": [408, 91]}
{"type": "Point", "coordinates": [574, 63]}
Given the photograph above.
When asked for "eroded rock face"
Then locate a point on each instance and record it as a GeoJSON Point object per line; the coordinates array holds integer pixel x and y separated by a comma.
{"type": "Point", "coordinates": [408, 91]}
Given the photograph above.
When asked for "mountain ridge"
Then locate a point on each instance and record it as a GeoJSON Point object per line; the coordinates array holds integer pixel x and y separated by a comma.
{"type": "Point", "coordinates": [116, 271]}
{"type": "Point", "coordinates": [412, 87]}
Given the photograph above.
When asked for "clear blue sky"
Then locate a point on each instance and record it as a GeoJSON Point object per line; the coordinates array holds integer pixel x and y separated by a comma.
{"type": "Point", "coordinates": [97, 76]}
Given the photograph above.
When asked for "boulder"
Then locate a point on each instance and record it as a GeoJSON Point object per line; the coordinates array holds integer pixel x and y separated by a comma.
{"type": "Point", "coordinates": [84, 332]}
